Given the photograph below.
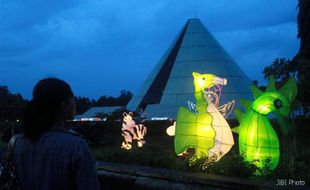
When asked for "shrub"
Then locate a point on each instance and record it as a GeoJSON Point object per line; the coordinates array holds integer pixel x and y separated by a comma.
{"type": "Point", "coordinates": [229, 165]}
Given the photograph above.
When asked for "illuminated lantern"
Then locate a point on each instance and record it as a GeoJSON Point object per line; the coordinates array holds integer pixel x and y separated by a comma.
{"type": "Point", "coordinates": [171, 130]}
{"type": "Point", "coordinates": [131, 131]}
{"type": "Point", "coordinates": [206, 130]}
{"type": "Point", "coordinates": [224, 139]}
{"type": "Point", "coordinates": [257, 138]}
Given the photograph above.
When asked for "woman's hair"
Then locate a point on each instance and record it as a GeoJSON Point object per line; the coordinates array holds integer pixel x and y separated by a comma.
{"type": "Point", "coordinates": [44, 108]}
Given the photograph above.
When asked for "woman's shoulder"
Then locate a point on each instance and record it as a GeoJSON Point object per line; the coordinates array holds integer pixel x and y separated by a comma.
{"type": "Point", "coordinates": [57, 140]}
{"type": "Point", "coordinates": [65, 143]}
{"type": "Point", "coordinates": [61, 132]}
{"type": "Point", "coordinates": [68, 135]}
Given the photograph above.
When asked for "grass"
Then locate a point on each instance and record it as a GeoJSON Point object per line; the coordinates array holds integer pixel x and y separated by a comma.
{"type": "Point", "coordinates": [157, 152]}
{"type": "Point", "coordinates": [150, 155]}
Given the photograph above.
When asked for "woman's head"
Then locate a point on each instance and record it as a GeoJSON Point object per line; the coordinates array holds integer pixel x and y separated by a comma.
{"type": "Point", "coordinates": [52, 102]}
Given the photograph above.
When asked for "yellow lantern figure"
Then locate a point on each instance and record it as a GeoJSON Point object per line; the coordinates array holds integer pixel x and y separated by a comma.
{"type": "Point", "coordinates": [206, 131]}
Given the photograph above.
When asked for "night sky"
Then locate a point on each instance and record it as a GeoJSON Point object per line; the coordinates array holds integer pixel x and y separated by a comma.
{"type": "Point", "coordinates": [101, 47]}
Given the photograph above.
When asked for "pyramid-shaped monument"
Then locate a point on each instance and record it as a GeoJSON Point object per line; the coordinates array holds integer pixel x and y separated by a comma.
{"type": "Point", "coordinates": [170, 84]}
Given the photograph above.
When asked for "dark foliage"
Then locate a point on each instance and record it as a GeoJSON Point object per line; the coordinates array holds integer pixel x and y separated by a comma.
{"type": "Point", "coordinates": [302, 59]}
{"type": "Point", "coordinates": [121, 100]}
{"type": "Point", "coordinates": [83, 104]}
{"type": "Point", "coordinates": [11, 105]}
{"type": "Point", "coordinates": [303, 21]}
{"type": "Point", "coordinates": [282, 69]}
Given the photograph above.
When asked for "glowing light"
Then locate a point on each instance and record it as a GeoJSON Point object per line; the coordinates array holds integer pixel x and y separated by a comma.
{"type": "Point", "coordinates": [171, 130]}
{"type": "Point", "coordinates": [90, 119]}
{"type": "Point", "coordinates": [202, 127]}
{"type": "Point", "coordinates": [131, 131]}
{"type": "Point", "coordinates": [159, 118]}
{"type": "Point", "coordinates": [257, 138]}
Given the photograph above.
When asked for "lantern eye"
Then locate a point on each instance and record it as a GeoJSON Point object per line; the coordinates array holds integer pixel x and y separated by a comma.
{"type": "Point", "coordinates": [203, 78]}
{"type": "Point", "coordinates": [277, 103]}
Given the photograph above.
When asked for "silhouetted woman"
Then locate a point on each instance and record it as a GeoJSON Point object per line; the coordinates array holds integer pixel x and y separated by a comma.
{"type": "Point", "coordinates": [47, 156]}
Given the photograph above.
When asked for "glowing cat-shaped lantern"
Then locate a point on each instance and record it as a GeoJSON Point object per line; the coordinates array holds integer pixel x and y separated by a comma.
{"type": "Point", "coordinates": [131, 131]}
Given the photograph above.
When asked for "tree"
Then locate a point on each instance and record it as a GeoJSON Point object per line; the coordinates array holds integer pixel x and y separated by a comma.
{"type": "Point", "coordinates": [121, 100]}
{"type": "Point", "coordinates": [301, 61]}
{"type": "Point", "coordinates": [124, 98]}
{"type": "Point", "coordinates": [303, 76]}
{"type": "Point", "coordinates": [11, 105]}
{"type": "Point", "coordinates": [303, 22]}
{"type": "Point", "coordinates": [101, 101]}
{"type": "Point", "coordinates": [83, 104]}
{"type": "Point", "coordinates": [281, 69]}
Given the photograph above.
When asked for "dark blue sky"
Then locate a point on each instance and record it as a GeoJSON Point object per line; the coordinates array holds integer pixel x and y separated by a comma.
{"type": "Point", "coordinates": [101, 47]}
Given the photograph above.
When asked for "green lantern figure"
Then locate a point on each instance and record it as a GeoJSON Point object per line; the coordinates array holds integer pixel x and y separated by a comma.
{"type": "Point", "coordinates": [195, 130]}
{"type": "Point", "coordinates": [257, 138]}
